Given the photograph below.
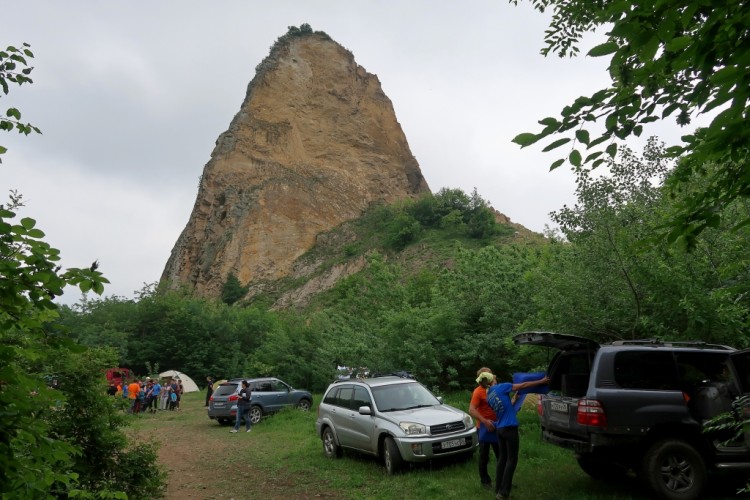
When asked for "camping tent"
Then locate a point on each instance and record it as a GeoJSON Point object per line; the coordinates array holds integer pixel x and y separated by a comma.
{"type": "Point", "coordinates": [187, 383]}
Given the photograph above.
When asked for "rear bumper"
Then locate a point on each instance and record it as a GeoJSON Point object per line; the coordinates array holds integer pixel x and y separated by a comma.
{"type": "Point", "coordinates": [577, 445]}
{"type": "Point", "coordinates": [593, 443]}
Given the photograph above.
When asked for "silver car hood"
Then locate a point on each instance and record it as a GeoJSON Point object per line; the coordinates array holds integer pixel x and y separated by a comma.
{"type": "Point", "coordinates": [431, 415]}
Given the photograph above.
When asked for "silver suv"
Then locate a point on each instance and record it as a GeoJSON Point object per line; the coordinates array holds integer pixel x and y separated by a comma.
{"type": "Point", "coordinates": [269, 395]}
{"type": "Point", "coordinates": [394, 418]}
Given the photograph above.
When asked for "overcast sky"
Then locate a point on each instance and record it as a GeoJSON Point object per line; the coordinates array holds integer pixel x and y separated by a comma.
{"type": "Point", "coordinates": [131, 97]}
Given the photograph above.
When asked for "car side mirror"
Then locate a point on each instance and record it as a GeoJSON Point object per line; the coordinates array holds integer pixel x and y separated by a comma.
{"type": "Point", "coordinates": [365, 410]}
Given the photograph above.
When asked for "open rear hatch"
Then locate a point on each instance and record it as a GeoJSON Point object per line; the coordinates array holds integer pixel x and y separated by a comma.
{"type": "Point", "coordinates": [569, 372]}
{"type": "Point", "coordinates": [561, 341]}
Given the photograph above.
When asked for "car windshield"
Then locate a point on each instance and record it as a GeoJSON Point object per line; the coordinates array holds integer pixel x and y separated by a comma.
{"type": "Point", "coordinates": [405, 396]}
{"type": "Point", "coordinates": [225, 390]}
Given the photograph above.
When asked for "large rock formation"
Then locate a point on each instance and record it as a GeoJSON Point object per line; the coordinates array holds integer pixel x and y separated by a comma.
{"type": "Point", "coordinates": [315, 142]}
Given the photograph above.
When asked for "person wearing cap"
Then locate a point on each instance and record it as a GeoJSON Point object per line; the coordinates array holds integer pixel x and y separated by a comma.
{"type": "Point", "coordinates": [485, 417]}
{"type": "Point", "coordinates": [506, 428]}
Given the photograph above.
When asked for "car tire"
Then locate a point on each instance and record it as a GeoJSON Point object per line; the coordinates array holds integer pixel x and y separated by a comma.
{"type": "Point", "coordinates": [255, 414]}
{"type": "Point", "coordinates": [600, 468]}
{"type": "Point", "coordinates": [674, 470]}
{"type": "Point", "coordinates": [391, 457]}
{"type": "Point", "coordinates": [330, 448]}
{"type": "Point", "coordinates": [304, 405]}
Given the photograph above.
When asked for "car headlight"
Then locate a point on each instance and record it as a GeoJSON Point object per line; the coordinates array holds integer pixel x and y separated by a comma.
{"type": "Point", "coordinates": [468, 421]}
{"type": "Point", "coordinates": [412, 428]}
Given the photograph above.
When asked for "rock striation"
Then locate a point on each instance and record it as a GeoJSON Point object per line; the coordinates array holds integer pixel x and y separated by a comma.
{"type": "Point", "coordinates": [315, 142]}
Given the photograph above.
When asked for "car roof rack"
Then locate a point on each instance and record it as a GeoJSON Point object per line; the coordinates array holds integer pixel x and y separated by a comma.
{"type": "Point", "coordinates": [400, 373]}
{"type": "Point", "coordinates": [370, 376]}
{"type": "Point", "coordinates": [676, 343]}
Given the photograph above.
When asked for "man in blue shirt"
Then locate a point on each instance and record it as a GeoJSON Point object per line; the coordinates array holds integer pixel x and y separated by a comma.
{"type": "Point", "coordinates": [506, 428]}
{"type": "Point", "coordinates": [155, 395]}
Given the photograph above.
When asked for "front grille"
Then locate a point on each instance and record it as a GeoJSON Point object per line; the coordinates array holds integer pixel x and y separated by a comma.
{"type": "Point", "coordinates": [436, 430]}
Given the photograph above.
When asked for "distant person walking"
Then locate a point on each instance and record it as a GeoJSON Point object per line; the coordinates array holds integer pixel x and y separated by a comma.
{"type": "Point", "coordinates": [485, 416]}
{"type": "Point", "coordinates": [243, 407]}
{"type": "Point", "coordinates": [209, 388]}
{"type": "Point", "coordinates": [506, 428]}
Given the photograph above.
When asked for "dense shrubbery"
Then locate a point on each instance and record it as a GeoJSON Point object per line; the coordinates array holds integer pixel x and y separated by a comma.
{"type": "Point", "coordinates": [450, 210]}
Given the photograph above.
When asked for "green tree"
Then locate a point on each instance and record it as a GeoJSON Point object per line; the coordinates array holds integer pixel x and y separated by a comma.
{"type": "Point", "coordinates": [610, 282]}
{"type": "Point", "coordinates": [232, 291]}
{"type": "Point", "coordinates": [49, 430]}
{"type": "Point", "coordinates": [14, 68]}
{"type": "Point", "coordinates": [671, 58]}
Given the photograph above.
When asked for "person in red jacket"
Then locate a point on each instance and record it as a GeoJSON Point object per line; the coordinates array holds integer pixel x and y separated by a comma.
{"type": "Point", "coordinates": [485, 416]}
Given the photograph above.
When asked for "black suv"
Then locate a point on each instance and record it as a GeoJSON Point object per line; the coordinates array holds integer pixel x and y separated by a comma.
{"type": "Point", "coordinates": [641, 405]}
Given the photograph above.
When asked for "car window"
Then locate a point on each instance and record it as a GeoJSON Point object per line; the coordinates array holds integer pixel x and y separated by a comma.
{"type": "Point", "coordinates": [701, 367]}
{"type": "Point", "coordinates": [646, 370]}
{"type": "Point", "coordinates": [361, 398]}
{"type": "Point", "coordinates": [264, 386]}
{"type": "Point", "coordinates": [403, 396]}
{"type": "Point", "coordinates": [278, 386]}
{"type": "Point", "coordinates": [225, 390]}
{"type": "Point", "coordinates": [331, 398]}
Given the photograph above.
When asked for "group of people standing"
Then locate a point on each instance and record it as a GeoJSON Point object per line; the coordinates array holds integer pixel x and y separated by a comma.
{"type": "Point", "coordinates": [149, 395]}
{"type": "Point", "coordinates": [497, 424]}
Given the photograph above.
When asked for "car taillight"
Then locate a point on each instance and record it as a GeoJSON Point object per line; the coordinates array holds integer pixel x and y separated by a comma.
{"type": "Point", "coordinates": [211, 398]}
{"type": "Point", "coordinates": [234, 397]}
{"type": "Point", "coordinates": [539, 407]}
{"type": "Point", "coordinates": [591, 412]}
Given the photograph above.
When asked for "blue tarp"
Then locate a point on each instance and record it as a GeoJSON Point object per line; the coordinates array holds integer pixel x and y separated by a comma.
{"type": "Point", "coordinates": [519, 378]}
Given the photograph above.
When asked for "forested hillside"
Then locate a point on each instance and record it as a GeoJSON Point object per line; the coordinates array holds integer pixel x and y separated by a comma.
{"type": "Point", "coordinates": [444, 287]}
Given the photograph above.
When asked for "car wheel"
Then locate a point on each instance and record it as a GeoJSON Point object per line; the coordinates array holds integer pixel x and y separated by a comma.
{"type": "Point", "coordinates": [304, 405]}
{"type": "Point", "coordinates": [391, 457]}
{"type": "Point", "coordinates": [256, 414]}
{"type": "Point", "coordinates": [598, 467]}
{"type": "Point", "coordinates": [330, 448]}
{"type": "Point", "coordinates": [674, 470]}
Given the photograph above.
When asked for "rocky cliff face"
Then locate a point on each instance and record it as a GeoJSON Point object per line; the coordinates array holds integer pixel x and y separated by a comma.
{"type": "Point", "coordinates": [315, 142]}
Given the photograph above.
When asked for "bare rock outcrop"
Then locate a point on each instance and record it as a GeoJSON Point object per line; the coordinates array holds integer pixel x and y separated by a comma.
{"type": "Point", "coordinates": [316, 141]}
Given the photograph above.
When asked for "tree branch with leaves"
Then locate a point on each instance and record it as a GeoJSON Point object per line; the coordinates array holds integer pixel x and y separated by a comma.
{"type": "Point", "coordinates": [674, 58]}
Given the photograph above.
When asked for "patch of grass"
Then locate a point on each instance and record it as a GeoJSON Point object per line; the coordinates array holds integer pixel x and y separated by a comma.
{"type": "Point", "coordinates": [283, 458]}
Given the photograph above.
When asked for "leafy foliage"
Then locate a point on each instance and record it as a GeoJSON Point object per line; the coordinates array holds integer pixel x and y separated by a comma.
{"type": "Point", "coordinates": [14, 68]}
{"type": "Point", "coordinates": [672, 58]}
{"type": "Point", "coordinates": [60, 434]}
{"type": "Point", "coordinates": [232, 291]}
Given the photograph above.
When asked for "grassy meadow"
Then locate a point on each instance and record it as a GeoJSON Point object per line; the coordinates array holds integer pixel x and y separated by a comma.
{"type": "Point", "coordinates": [283, 458]}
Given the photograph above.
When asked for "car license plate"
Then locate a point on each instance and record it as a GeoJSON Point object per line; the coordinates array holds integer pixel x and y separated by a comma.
{"type": "Point", "coordinates": [556, 406]}
{"type": "Point", "coordinates": [218, 405]}
{"type": "Point", "coordinates": [453, 443]}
